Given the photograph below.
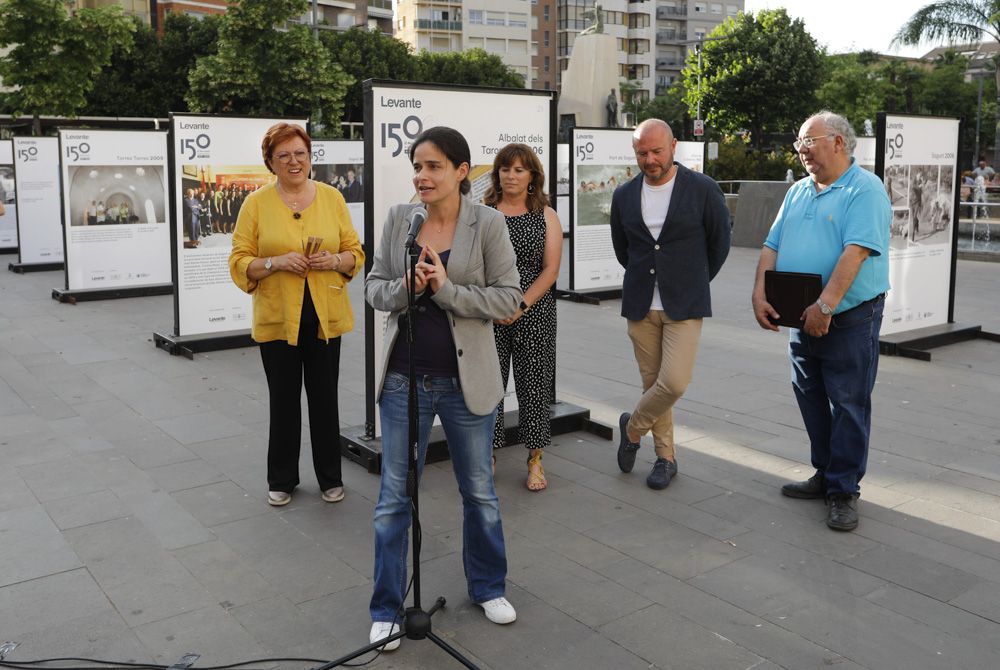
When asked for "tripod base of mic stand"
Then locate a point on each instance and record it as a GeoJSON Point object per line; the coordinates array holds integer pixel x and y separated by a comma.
{"type": "Point", "coordinates": [416, 626]}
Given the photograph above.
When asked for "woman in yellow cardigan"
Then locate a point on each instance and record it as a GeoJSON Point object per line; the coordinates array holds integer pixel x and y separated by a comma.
{"type": "Point", "coordinates": [294, 250]}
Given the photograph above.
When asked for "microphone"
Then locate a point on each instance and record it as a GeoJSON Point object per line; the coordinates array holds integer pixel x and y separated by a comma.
{"type": "Point", "coordinates": [417, 218]}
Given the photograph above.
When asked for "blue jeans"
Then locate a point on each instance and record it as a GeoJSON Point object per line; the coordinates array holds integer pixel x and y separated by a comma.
{"type": "Point", "coordinates": [469, 436]}
{"type": "Point", "coordinates": [833, 377]}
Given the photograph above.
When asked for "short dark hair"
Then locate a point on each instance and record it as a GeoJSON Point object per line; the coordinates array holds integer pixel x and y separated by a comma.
{"type": "Point", "coordinates": [282, 132]}
{"type": "Point", "coordinates": [451, 143]}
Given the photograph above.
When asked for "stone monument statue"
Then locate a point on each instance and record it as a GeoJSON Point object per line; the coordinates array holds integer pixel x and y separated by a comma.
{"type": "Point", "coordinates": [612, 108]}
{"type": "Point", "coordinates": [597, 27]}
{"type": "Point", "coordinates": [592, 70]}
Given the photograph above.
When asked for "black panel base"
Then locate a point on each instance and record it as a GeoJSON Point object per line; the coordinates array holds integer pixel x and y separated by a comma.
{"type": "Point", "coordinates": [188, 345]}
{"type": "Point", "coordinates": [588, 297]}
{"type": "Point", "coordinates": [8, 250]}
{"type": "Point", "coordinates": [82, 295]}
{"type": "Point", "coordinates": [21, 268]}
{"type": "Point", "coordinates": [357, 444]}
{"type": "Point", "coordinates": [915, 343]}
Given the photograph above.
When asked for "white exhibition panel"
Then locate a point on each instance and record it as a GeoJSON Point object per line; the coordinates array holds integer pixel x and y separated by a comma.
{"type": "Point", "coordinates": [39, 220]}
{"type": "Point", "coordinates": [8, 221]}
{"type": "Point", "coordinates": [691, 155]}
{"type": "Point", "coordinates": [213, 152]}
{"type": "Point", "coordinates": [115, 210]}
{"type": "Point", "coordinates": [920, 177]}
{"type": "Point", "coordinates": [341, 164]}
{"type": "Point", "coordinates": [602, 160]}
{"type": "Point", "coordinates": [399, 114]}
{"type": "Point", "coordinates": [864, 152]}
{"type": "Point", "coordinates": [562, 186]}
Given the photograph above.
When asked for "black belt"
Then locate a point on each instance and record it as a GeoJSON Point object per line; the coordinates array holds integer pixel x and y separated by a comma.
{"type": "Point", "coordinates": [880, 296]}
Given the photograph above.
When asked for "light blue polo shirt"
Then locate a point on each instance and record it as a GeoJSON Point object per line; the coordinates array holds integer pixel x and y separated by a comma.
{"type": "Point", "coordinates": [812, 229]}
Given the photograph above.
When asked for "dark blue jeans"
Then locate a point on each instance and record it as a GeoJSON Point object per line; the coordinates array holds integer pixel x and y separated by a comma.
{"type": "Point", "coordinates": [833, 377]}
{"type": "Point", "coordinates": [470, 438]}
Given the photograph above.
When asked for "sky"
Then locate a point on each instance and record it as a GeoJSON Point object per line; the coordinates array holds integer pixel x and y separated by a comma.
{"type": "Point", "coordinates": [851, 25]}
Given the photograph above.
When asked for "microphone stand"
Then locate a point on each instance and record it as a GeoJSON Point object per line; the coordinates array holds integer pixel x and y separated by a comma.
{"type": "Point", "coordinates": [416, 621]}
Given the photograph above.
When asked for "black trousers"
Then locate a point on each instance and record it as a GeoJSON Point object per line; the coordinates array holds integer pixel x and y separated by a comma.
{"type": "Point", "coordinates": [318, 362]}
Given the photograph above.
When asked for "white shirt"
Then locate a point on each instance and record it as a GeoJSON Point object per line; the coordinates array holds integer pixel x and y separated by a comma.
{"type": "Point", "coordinates": [655, 203]}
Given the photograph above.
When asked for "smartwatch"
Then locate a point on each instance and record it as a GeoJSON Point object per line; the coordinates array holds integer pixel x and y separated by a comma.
{"type": "Point", "coordinates": [267, 264]}
{"type": "Point", "coordinates": [824, 309]}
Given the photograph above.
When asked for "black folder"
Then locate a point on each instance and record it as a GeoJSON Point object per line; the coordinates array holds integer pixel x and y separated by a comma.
{"type": "Point", "coordinates": [790, 293]}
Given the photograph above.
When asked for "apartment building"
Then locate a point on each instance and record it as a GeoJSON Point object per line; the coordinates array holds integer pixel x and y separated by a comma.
{"type": "Point", "coordinates": [501, 27]}
{"type": "Point", "coordinates": [331, 14]}
{"type": "Point", "coordinates": [653, 37]}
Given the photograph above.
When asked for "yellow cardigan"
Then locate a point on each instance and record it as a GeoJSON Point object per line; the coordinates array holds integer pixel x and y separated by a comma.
{"type": "Point", "coordinates": [266, 228]}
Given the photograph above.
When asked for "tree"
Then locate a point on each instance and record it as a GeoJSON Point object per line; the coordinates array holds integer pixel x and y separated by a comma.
{"type": "Point", "coordinates": [956, 21]}
{"type": "Point", "coordinates": [759, 74]}
{"type": "Point", "coordinates": [151, 79]}
{"type": "Point", "coordinates": [259, 70]}
{"type": "Point", "coordinates": [53, 58]}
{"type": "Point", "coordinates": [368, 54]}
{"type": "Point", "coordinates": [474, 67]}
{"type": "Point", "coordinates": [669, 107]}
{"type": "Point", "coordinates": [853, 87]}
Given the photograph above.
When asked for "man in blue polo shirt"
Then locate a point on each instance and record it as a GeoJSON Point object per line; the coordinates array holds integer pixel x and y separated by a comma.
{"type": "Point", "coordinates": [834, 223]}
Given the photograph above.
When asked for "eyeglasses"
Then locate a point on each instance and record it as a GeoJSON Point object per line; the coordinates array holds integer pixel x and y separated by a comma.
{"type": "Point", "coordinates": [301, 156]}
{"type": "Point", "coordinates": [808, 142]}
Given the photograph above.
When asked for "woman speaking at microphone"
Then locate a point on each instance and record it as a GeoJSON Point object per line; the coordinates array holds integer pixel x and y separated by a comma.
{"type": "Point", "coordinates": [294, 250]}
{"type": "Point", "coordinates": [466, 276]}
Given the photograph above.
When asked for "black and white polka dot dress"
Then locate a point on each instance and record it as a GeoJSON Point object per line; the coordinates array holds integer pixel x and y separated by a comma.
{"type": "Point", "coordinates": [529, 342]}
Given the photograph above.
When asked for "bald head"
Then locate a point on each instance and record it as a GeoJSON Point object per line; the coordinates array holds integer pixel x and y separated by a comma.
{"type": "Point", "coordinates": [654, 143]}
{"type": "Point", "coordinates": [651, 127]}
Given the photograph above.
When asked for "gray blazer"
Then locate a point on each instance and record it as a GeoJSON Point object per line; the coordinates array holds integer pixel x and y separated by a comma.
{"type": "Point", "coordinates": [483, 284]}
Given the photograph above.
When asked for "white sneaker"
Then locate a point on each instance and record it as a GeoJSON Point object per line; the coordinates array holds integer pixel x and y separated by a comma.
{"type": "Point", "coordinates": [335, 494]}
{"type": "Point", "coordinates": [382, 630]}
{"type": "Point", "coordinates": [278, 498]}
{"type": "Point", "coordinates": [499, 610]}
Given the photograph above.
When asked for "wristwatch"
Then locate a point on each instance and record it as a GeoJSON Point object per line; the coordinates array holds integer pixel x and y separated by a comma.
{"type": "Point", "coordinates": [267, 264]}
{"type": "Point", "coordinates": [524, 306]}
{"type": "Point", "coordinates": [824, 309]}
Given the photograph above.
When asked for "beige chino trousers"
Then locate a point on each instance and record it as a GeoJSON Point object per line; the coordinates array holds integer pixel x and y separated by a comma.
{"type": "Point", "coordinates": [665, 351]}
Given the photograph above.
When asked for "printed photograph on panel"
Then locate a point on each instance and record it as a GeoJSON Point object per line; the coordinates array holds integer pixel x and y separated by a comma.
{"type": "Point", "coordinates": [106, 195]}
{"type": "Point", "coordinates": [897, 184]}
{"type": "Point", "coordinates": [593, 193]}
{"type": "Point", "coordinates": [930, 204]}
{"type": "Point", "coordinates": [348, 178]}
{"type": "Point", "coordinates": [899, 229]}
{"type": "Point", "coordinates": [211, 200]}
{"type": "Point", "coordinates": [7, 184]}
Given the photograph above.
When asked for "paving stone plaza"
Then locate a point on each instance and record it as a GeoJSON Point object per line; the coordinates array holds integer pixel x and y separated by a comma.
{"type": "Point", "coordinates": [134, 524]}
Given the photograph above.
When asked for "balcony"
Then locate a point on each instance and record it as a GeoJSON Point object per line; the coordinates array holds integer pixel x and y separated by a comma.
{"type": "Point", "coordinates": [669, 64]}
{"type": "Point", "coordinates": [670, 36]}
{"type": "Point", "coordinates": [670, 12]}
{"type": "Point", "coordinates": [429, 24]}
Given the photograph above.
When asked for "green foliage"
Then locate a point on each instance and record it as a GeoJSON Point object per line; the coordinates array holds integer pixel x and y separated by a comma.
{"type": "Point", "coordinates": [671, 108]}
{"type": "Point", "coordinates": [759, 75]}
{"type": "Point", "coordinates": [262, 71]}
{"type": "Point", "coordinates": [859, 88]}
{"type": "Point", "coordinates": [739, 160]}
{"type": "Point", "coordinates": [956, 21]}
{"type": "Point", "coordinates": [53, 59]}
{"type": "Point", "coordinates": [152, 79]}
{"type": "Point", "coordinates": [368, 54]}
{"type": "Point", "coordinates": [474, 67]}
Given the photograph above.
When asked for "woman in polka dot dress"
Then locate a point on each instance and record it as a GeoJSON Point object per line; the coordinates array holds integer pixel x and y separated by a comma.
{"type": "Point", "coordinates": [529, 336]}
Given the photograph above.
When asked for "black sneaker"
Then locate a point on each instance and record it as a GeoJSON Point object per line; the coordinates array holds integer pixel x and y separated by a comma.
{"type": "Point", "coordinates": [626, 449]}
{"type": "Point", "coordinates": [663, 471]}
{"type": "Point", "coordinates": [843, 511]}
{"type": "Point", "coordinates": [813, 488]}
